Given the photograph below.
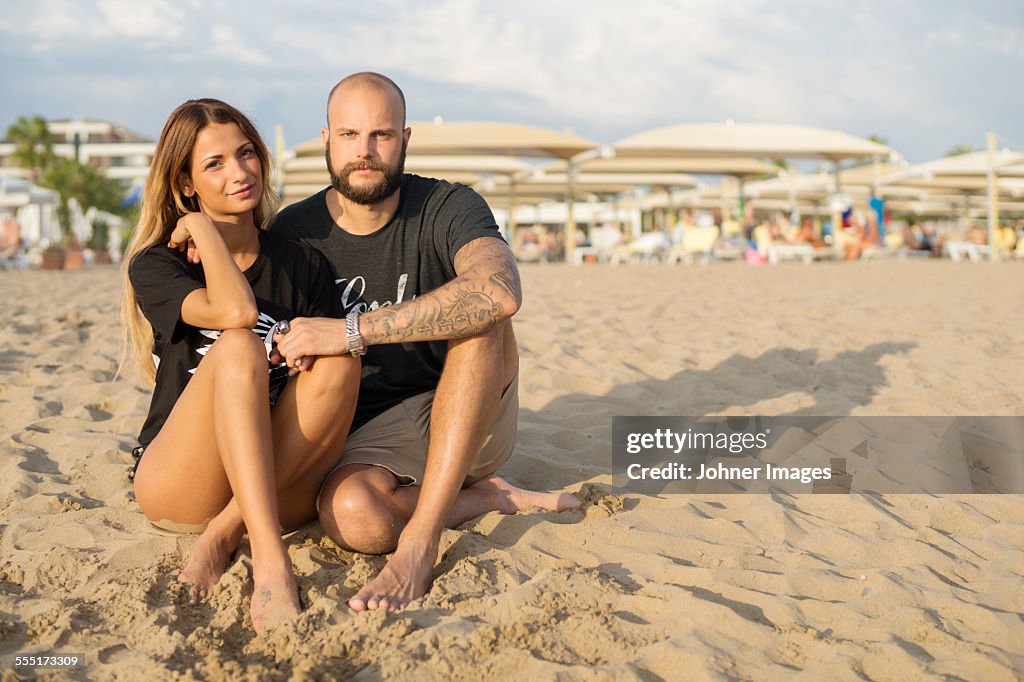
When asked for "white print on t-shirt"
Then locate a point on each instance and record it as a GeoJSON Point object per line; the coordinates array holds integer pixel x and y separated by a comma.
{"type": "Point", "coordinates": [353, 290]}
{"type": "Point", "coordinates": [264, 329]}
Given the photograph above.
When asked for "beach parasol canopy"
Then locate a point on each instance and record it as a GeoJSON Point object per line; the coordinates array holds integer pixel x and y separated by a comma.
{"type": "Point", "coordinates": [738, 166]}
{"type": "Point", "coordinates": [482, 138]}
{"type": "Point", "coordinates": [494, 138]}
{"type": "Point", "coordinates": [974, 164]}
{"type": "Point", "coordinates": [758, 140]}
{"type": "Point", "coordinates": [553, 185]}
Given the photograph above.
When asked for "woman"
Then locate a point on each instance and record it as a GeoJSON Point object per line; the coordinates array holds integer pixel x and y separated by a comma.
{"type": "Point", "coordinates": [207, 289]}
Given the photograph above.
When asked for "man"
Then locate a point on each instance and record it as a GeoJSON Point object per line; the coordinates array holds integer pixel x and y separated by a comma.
{"type": "Point", "coordinates": [428, 286]}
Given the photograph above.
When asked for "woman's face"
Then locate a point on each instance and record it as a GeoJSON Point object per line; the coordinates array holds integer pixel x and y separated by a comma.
{"type": "Point", "coordinates": [226, 172]}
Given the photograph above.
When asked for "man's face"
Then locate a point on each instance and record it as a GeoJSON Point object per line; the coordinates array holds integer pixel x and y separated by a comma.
{"type": "Point", "coordinates": [365, 144]}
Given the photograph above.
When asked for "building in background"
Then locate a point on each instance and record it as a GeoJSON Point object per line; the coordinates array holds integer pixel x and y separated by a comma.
{"type": "Point", "coordinates": [115, 151]}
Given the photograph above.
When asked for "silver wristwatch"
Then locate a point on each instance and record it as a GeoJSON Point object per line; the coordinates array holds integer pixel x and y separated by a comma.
{"type": "Point", "coordinates": [352, 335]}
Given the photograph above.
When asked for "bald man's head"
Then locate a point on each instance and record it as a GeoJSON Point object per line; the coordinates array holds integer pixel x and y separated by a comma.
{"type": "Point", "coordinates": [352, 85]}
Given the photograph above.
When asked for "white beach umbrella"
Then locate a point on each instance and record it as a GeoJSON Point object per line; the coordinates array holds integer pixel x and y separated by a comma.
{"type": "Point", "coordinates": [758, 140]}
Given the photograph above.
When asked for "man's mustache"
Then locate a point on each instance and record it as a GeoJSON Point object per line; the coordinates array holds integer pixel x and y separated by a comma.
{"type": "Point", "coordinates": [364, 165]}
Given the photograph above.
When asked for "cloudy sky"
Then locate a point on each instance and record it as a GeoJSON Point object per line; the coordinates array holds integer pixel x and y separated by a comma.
{"type": "Point", "coordinates": [926, 75]}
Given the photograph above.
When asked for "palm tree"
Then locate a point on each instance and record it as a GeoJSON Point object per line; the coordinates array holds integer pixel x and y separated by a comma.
{"type": "Point", "coordinates": [33, 145]}
{"type": "Point", "coordinates": [961, 149]}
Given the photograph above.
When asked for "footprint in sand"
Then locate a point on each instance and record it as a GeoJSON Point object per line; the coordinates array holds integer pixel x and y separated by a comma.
{"type": "Point", "coordinates": [599, 503]}
{"type": "Point", "coordinates": [52, 408]}
{"type": "Point", "coordinates": [99, 413]}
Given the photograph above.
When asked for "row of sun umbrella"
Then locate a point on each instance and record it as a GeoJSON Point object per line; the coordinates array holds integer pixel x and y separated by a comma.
{"type": "Point", "coordinates": [505, 162]}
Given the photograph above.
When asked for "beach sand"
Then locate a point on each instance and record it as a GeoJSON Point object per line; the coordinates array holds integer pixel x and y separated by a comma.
{"type": "Point", "coordinates": [847, 587]}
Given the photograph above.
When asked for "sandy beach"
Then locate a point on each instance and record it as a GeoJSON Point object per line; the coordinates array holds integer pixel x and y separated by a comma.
{"type": "Point", "coordinates": [703, 587]}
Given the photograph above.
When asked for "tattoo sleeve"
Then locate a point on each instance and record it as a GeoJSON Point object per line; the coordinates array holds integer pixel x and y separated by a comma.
{"type": "Point", "coordinates": [485, 291]}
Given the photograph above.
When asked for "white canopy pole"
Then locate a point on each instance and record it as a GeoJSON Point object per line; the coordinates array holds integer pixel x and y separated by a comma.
{"type": "Point", "coordinates": [837, 216]}
{"type": "Point", "coordinates": [570, 221]}
{"type": "Point", "coordinates": [510, 223]}
{"type": "Point", "coordinates": [993, 198]}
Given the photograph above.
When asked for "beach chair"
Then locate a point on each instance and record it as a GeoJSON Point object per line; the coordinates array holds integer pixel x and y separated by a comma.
{"type": "Point", "coordinates": [605, 243]}
{"type": "Point", "coordinates": [801, 252]}
{"type": "Point", "coordinates": [645, 249]}
{"type": "Point", "coordinates": [697, 242]}
{"type": "Point", "coordinates": [891, 246]}
{"type": "Point", "coordinates": [779, 251]}
{"type": "Point", "coordinates": [958, 251]}
{"type": "Point", "coordinates": [649, 247]}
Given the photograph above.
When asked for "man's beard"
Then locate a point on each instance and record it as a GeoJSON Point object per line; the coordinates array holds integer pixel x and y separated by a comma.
{"type": "Point", "coordinates": [366, 194]}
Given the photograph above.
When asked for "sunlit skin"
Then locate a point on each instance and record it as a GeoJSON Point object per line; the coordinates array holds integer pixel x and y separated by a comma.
{"type": "Point", "coordinates": [226, 177]}
{"type": "Point", "coordinates": [222, 456]}
{"type": "Point", "coordinates": [362, 507]}
{"type": "Point", "coordinates": [365, 127]}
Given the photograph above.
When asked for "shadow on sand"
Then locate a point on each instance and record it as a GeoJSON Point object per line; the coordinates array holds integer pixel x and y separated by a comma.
{"type": "Point", "coordinates": [849, 380]}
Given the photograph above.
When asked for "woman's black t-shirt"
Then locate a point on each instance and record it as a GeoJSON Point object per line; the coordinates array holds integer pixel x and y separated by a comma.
{"type": "Point", "coordinates": [288, 280]}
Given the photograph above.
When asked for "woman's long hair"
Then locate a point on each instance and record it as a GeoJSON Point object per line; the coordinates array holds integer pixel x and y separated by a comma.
{"type": "Point", "coordinates": [163, 203]}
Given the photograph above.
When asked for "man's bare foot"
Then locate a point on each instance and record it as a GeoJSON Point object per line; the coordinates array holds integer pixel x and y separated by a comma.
{"type": "Point", "coordinates": [405, 577]}
{"type": "Point", "coordinates": [275, 599]}
{"type": "Point", "coordinates": [210, 557]}
{"type": "Point", "coordinates": [519, 499]}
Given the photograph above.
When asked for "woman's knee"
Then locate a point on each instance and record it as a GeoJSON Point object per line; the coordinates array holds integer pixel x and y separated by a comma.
{"type": "Point", "coordinates": [239, 348]}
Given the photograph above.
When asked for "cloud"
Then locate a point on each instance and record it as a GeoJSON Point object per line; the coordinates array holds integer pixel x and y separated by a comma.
{"type": "Point", "coordinates": [159, 20]}
{"type": "Point", "coordinates": [228, 43]}
{"type": "Point", "coordinates": [908, 71]}
{"type": "Point", "coordinates": [51, 25]}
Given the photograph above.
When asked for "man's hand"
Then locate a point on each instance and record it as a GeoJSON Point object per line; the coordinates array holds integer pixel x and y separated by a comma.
{"type": "Point", "coordinates": [308, 338]}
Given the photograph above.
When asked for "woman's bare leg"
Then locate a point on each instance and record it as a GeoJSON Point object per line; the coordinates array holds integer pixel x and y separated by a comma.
{"type": "Point", "coordinates": [217, 441]}
{"type": "Point", "coordinates": [310, 423]}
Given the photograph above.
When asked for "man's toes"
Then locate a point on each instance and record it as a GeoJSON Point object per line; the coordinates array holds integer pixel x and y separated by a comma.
{"type": "Point", "coordinates": [567, 501]}
{"type": "Point", "coordinates": [357, 604]}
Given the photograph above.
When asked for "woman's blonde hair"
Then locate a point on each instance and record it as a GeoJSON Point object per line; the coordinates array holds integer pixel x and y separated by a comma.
{"type": "Point", "coordinates": [163, 203]}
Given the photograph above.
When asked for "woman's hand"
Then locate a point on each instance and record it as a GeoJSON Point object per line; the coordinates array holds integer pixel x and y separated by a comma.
{"type": "Point", "coordinates": [181, 237]}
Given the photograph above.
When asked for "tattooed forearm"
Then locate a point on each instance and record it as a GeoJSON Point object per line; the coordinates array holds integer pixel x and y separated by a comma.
{"type": "Point", "coordinates": [454, 311]}
{"type": "Point", "coordinates": [486, 292]}
{"type": "Point", "coordinates": [507, 279]}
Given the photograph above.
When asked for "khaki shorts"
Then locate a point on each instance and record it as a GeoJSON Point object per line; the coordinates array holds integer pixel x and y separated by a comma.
{"type": "Point", "coordinates": [397, 438]}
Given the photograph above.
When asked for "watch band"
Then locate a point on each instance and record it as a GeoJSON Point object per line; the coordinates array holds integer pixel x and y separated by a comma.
{"type": "Point", "coordinates": [352, 335]}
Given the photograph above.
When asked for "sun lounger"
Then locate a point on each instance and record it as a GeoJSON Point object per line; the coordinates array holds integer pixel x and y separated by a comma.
{"type": "Point", "coordinates": [957, 251]}
{"type": "Point", "coordinates": [580, 254]}
{"type": "Point", "coordinates": [881, 251]}
{"type": "Point", "coordinates": [777, 252]}
{"type": "Point", "coordinates": [605, 244]}
{"type": "Point", "coordinates": [697, 243]}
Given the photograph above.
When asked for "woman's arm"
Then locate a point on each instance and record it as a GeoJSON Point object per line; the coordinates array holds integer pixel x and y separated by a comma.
{"type": "Point", "coordinates": [227, 301]}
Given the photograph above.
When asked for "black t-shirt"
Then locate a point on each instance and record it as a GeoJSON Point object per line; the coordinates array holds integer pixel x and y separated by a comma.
{"type": "Point", "coordinates": [411, 255]}
{"type": "Point", "coordinates": [287, 279]}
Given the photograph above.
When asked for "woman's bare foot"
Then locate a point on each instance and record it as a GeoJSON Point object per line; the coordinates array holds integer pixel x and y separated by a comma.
{"type": "Point", "coordinates": [519, 499]}
{"type": "Point", "coordinates": [275, 598]}
{"type": "Point", "coordinates": [210, 557]}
